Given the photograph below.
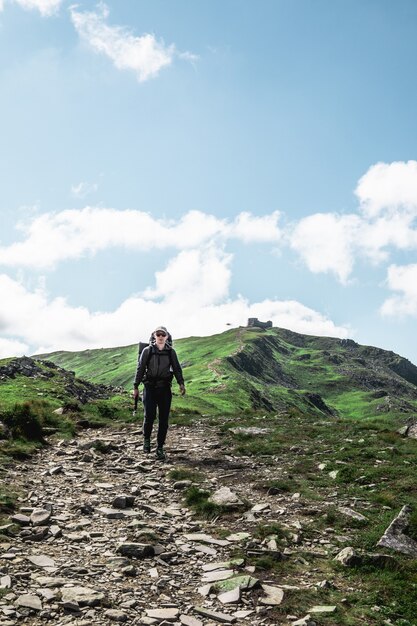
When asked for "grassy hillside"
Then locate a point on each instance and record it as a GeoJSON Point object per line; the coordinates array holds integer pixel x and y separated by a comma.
{"type": "Point", "coordinates": [242, 370]}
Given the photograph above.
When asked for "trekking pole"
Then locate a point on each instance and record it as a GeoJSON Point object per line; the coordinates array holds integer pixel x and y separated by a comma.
{"type": "Point", "coordinates": [136, 405]}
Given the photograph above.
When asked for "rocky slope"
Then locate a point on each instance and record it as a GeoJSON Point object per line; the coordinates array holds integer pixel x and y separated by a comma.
{"type": "Point", "coordinates": [103, 535]}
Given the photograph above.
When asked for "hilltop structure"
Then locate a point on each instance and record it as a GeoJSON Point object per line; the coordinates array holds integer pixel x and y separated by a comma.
{"type": "Point", "coordinates": [254, 322]}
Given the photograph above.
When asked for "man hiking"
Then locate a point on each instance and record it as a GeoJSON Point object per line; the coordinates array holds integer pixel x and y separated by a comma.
{"type": "Point", "coordinates": [157, 365]}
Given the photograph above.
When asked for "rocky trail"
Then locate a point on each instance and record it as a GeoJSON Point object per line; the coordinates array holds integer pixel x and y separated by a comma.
{"type": "Point", "coordinates": [103, 536]}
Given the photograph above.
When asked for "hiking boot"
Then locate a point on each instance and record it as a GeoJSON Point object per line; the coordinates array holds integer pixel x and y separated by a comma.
{"type": "Point", "coordinates": [147, 445]}
{"type": "Point", "coordinates": [160, 454]}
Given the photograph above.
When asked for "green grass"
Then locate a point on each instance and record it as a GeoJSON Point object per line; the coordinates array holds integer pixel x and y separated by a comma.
{"type": "Point", "coordinates": [184, 473]}
{"type": "Point", "coordinates": [198, 500]}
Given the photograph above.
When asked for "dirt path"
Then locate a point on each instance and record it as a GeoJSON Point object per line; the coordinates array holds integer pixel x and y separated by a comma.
{"type": "Point", "coordinates": [97, 566]}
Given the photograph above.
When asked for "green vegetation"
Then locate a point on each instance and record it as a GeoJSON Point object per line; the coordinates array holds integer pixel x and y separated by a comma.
{"type": "Point", "coordinates": [198, 500]}
{"type": "Point", "coordinates": [183, 473]}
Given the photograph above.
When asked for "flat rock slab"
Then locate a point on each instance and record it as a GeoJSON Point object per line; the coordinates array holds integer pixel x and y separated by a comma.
{"type": "Point", "coordinates": [169, 615]}
{"type": "Point", "coordinates": [210, 567]}
{"type": "Point", "coordinates": [395, 537]}
{"type": "Point", "coordinates": [250, 430]}
{"type": "Point", "coordinates": [189, 620]}
{"type": "Point", "coordinates": [223, 618]}
{"type": "Point", "coordinates": [115, 615]}
{"type": "Point", "coordinates": [84, 596]}
{"type": "Point", "coordinates": [242, 582]}
{"type": "Point", "coordinates": [323, 609]}
{"type": "Point", "coordinates": [211, 577]}
{"type": "Point", "coordinates": [29, 601]}
{"type": "Point", "coordinates": [118, 513]}
{"type": "Point", "coordinates": [274, 595]}
{"type": "Point", "coordinates": [41, 560]}
{"type": "Point", "coordinates": [352, 514]}
{"type": "Point", "coordinates": [230, 597]}
{"type": "Point", "coordinates": [238, 536]}
{"type": "Point", "coordinates": [22, 520]}
{"type": "Point", "coordinates": [51, 581]}
{"type": "Point", "coordinates": [206, 539]}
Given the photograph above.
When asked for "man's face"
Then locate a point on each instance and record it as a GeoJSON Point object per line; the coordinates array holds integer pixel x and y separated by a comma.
{"type": "Point", "coordinates": [160, 338]}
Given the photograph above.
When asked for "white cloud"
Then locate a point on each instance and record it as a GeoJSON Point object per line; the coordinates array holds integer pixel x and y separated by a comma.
{"type": "Point", "coordinates": [72, 234]}
{"type": "Point", "coordinates": [83, 189]}
{"type": "Point", "coordinates": [404, 280]}
{"type": "Point", "coordinates": [385, 222]}
{"type": "Point", "coordinates": [188, 299]}
{"type": "Point", "coordinates": [200, 277]}
{"type": "Point", "coordinates": [45, 7]}
{"type": "Point", "coordinates": [326, 242]}
{"type": "Point", "coordinates": [144, 55]}
{"type": "Point", "coordinates": [12, 347]}
{"type": "Point", "coordinates": [388, 186]}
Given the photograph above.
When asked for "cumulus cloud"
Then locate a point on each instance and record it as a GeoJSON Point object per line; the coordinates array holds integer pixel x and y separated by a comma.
{"type": "Point", "coordinates": [326, 242]}
{"type": "Point", "coordinates": [72, 234]}
{"type": "Point", "coordinates": [385, 221]}
{"type": "Point", "coordinates": [189, 300]}
{"type": "Point", "coordinates": [402, 279]}
{"type": "Point", "coordinates": [45, 7]}
{"type": "Point", "coordinates": [144, 55]}
{"type": "Point", "coordinates": [388, 186]}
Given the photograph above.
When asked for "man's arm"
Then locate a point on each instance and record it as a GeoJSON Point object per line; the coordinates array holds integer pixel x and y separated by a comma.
{"type": "Point", "coordinates": [176, 367]}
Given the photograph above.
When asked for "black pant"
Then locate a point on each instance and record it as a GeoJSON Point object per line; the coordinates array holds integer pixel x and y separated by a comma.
{"type": "Point", "coordinates": [153, 398]}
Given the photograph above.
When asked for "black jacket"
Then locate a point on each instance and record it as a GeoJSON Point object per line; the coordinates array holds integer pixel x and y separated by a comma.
{"type": "Point", "coordinates": [158, 369]}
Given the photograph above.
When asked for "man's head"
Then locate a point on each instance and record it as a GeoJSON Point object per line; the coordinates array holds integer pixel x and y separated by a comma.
{"type": "Point", "coordinates": [161, 335]}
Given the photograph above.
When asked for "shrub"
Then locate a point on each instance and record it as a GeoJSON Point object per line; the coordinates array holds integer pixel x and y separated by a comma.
{"type": "Point", "coordinates": [26, 419]}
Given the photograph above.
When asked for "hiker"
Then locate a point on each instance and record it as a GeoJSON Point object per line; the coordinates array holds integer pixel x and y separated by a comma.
{"type": "Point", "coordinates": [157, 365]}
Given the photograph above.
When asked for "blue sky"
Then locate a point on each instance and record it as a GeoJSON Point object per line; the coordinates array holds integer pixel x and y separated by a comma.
{"type": "Point", "coordinates": [196, 163]}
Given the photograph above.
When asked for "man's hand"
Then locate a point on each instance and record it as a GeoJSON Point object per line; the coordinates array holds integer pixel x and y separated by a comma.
{"type": "Point", "coordinates": [182, 390]}
{"type": "Point", "coordinates": [135, 393]}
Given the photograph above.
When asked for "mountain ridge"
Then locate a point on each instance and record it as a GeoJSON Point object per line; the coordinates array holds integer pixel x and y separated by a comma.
{"type": "Point", "coordinates": [275, 369]}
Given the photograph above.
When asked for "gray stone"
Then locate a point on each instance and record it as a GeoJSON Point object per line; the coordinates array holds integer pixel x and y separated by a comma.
{"type": "Point", "coordinates": [168, 615]}
{"type": "Point", "coordinates": [352, 514]}
{"type": "Point", "coordinates": [189, 620]}
{"type": "Point", "coordinates": [40, 517]}
{"type": "Point", "coordinates": [136, 550]}
{"type": "Point", "coordinates": [323, 609]}
{"type": "Point", "coordinates": [395, 538]}
{"type": "Point", "coordinates": [41, 560]}
{"type": "Point", "coordinates": [5, 582]}
{"type": "Point", "coordinates": [116, 616]}
{"type": "Point", "coordinates": [123, 502]}
{"type": "Point", "coordinates": [22, 520]}
{"type": "Point", "coordinates": [274, 595]}
{"type": "Point", "coordinates": [227, 498]}
{"type": "Point", "coordinates": [117, 513]}
{"type": "Point", "coordinates": [218, 617]}
{"type": "Point", "coordinates": [206, 539]}
{"type": "Point", "coordinates": [348, 557]}
{"type": "Point", "coordinates": [250, 430]}
{"type": "Point", "coordinates": [182, 484]}
{"type": "Point", "coordinates": [84, 596]}
{"type": "Point", "coordinates": [230, 597]}
{"type": "Point", "coordinates": [244, 582]}
{"type": "Point", "coordinates": [29, 601]}
{"type": "Point", "coordinates": [211, 577]}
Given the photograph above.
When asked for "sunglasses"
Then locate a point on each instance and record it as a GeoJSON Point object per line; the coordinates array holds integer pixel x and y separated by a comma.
{"type": "Point", "coordinates": [160, 335]}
